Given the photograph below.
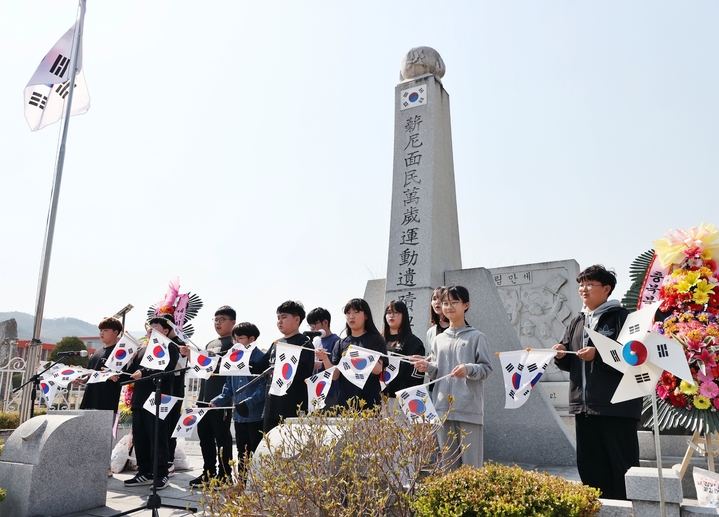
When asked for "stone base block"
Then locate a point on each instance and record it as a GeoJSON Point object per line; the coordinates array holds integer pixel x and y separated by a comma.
{"type": "Point", "coordinates": [651, 509]}
{"type": "Point", "coordinates": [694, 510]}
{"type": "Point", "coordinates": [614, 508]}
{"type": "Point", "coordinates": [643, 485]}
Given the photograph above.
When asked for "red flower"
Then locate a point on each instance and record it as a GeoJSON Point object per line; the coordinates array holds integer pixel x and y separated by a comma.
{"type": "Point", "coordinates": [677, 400]}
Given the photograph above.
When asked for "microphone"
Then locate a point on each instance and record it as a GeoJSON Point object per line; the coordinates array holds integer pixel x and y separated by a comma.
{"type": "Point", "coordinates": [313, 334]}
{"type": "Point", "coordinates": [81, 353]}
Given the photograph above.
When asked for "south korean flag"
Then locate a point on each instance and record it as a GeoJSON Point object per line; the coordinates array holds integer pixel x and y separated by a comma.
{"type": "Point", "coordinates": [318, 386]}
{"type": "Point", "coordinates": [66, 375]}
{"type": "Point", "coordinates": [513, 364]}
{"type": "Point", "coordinates": [48, 89]}
{"type": "Point", "coordinates": [103, 376]}
{"type": "Point", "coordinates": [48, 389]}
{"type": "Point", "coordinates": [237, 360]}
{"type": "Point", "coordinates": [188, 421]}
{"type": "Point", "coordinates": [357, 364]}
{"type": "Point", "coordinates": [166, 404]}
{"type": "Point", "coordinates": [390, 372]}
{"type": "Point", "coordinates": [202, 364]}
{"type": "Point", "coordinates": [124, 351]}
{"type": "Point", "coordinates": [157, 353]}
{"type": "Point", "coordinates": [417, 405]}
{"type": "Point", "coordinates": [286, 361]}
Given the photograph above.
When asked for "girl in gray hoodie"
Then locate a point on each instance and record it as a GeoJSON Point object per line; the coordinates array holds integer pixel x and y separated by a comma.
{"type": "Point", "coordinates": [462, 352]}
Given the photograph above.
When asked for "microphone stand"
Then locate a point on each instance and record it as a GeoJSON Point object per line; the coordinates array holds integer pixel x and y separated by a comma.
{"type": "Point", "coordinates": [35, 379]}
{"type": "Point", "coordinates": [154, 502]}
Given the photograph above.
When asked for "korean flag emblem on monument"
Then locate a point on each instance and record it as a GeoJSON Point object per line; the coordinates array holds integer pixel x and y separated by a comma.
{"type": "Point", "coordinates": [157, 353]}
{"type": "Point", "coordinates": [287, 358]}
{"type": "Point", "coordinates": [417, 405]}
{"type": "Point", "coordinates": [413, 97]}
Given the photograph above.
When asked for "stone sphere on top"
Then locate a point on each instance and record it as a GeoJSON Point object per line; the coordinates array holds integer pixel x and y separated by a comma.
{"type": "Point", "coordinates": [421, 61]}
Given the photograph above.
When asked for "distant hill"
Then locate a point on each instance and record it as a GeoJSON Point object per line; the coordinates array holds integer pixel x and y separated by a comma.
{"type": "Point", "coordinates": [53, 330]}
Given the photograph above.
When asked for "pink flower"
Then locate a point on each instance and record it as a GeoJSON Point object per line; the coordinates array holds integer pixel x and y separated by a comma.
{"type": "Point", "coordinates": [662, 391]}
{"type": "Point", "coordinates": [709, 389]}
{"type": "Point", "coordinates": [705, 378]}
{"type": "Point", "coordinates": [716, 403]}
{"type": "Point", "coordinates": [707, 358]}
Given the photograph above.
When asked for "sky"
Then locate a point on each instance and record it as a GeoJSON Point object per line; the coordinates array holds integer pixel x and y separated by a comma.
{"type": "Point", "coordinates": [246, 147]}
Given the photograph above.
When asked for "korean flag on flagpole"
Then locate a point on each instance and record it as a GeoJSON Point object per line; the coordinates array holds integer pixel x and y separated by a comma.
{"type": "Point", "coordinates": [47, 89]}
{"type": "Point", "coordinates": [237, 360]}
{"type": "Point", "coordinates": [356, 365]}
{"type": "Point", "coordinates": [166, 404]}
{"type": "Point", "coordinates": [157, 353]}
{"type": "Point", "coordinates": [188, 421]}
{"type": "Point", "coordinates": [318, 386]}
{"type": "Point", "coordinates": [202, 364]}
{"type": "Point", "coordinates": [390, 372]}
{"type": "Point", "coordinates": [124, 351]}
{"type": "Point", "coordinates": [286, 360]}
{"type": "Point", "coordinates": [417, 405]}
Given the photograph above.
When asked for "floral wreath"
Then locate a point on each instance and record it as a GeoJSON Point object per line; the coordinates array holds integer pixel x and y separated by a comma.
{"type": "Point", "coordinates": [689, 314]}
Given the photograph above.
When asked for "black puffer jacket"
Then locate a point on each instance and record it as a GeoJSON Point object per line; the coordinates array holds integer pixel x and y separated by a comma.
{"type": "Point", "coordinates": [601, 379]}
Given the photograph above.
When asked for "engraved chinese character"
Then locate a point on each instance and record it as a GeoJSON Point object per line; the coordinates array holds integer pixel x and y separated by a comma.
{"type": "Point", "coordinates": [410, 236]}
{"type": "Point", "coordinates": [411, 176]}
{"type": "Point", "coordinates": [413, 141]}
{"type": "Point", "coordinates": [413, 124]}
{"type": "Point", "coordinates": [407, 278]}
{"type": "Point", "coordinates": [412, 159]}
{"type": "Point", "coordinates": [408, 257]}
{"type": "Point", "coordinates": [411, 196]}
{"type": "Point", "coordinates": [411, 215]}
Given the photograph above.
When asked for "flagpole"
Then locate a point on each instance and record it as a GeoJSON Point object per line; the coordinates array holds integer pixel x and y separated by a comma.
{"type": "Point", "coordinates": [33, 349]}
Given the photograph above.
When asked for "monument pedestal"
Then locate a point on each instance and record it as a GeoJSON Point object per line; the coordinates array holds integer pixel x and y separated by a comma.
{"type": "Point", "coordinates": [56, 464]}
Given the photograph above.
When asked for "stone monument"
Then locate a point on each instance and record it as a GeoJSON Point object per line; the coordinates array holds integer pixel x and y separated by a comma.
{"type": "Point", "coordinates": [424, 233]}
{"type": "Point", "coordinates": [56, 464]}
{"type": "Point", "coordinates": [424, 252]}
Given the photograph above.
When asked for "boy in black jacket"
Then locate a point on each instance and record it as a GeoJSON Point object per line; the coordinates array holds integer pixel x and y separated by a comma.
{"type": "Point", "coordinates": [607, 443]}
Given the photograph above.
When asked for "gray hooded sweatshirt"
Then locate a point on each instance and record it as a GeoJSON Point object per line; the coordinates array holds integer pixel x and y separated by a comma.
{"type": "Point", "coordinates": [461, 345]}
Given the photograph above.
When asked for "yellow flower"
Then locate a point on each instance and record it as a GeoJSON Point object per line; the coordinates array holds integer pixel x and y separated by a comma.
{"type": "Point", "coordinates": [701, 402]}
{"type": "Point", "coordinates": [700, 298]}
{"type": "Point", "coordinates": [713, 332]}
{"type": "Point", "coordinates": [705, 287]}
{"type": "Point", "coordinates": [704, 272]}
{"type": "Point", "coordinates": [694, 335]}
{"type": "Point", "coordinates": [688, 389]}
{"type": "Point", "coordinates": [707, 255]}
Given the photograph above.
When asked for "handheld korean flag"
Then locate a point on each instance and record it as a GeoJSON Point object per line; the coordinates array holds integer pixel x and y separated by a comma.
{"type": "Point", "coordinates": [157, 353]}
{"type": "Point", "coordinates": [66, 375]}
{"type": "Point", "coordinates": [513, 364]}
{"type": "Point", "coordinates": [390, 372]}
{"type": "Point", "coordinates": [287, 359]}
{"type": "Point", "coordinates": [48, 88]}
{"type": "Point", "coordinates": [48, 389]}
{"type": "Point", "coordinates": [237, 360]}
{"type": "Point", "coordinates": [640, 355]}
{"type": "Point", "coordinates": [124, 351]}
{"type": "Point", "coordinates": [318, 386]}
{"type": "Point", "coordinates": [188, 421]}
{"type": "Point", "coordinates": [356, 365]}
{"type": "Point", "coordinates": [166, 404]}
{"type": "Point", "coordinates": [102, 376]}
{"type": "Point", "coordinates": [202, 364]}
{"type": "Point", "coordinates": [417, 405]}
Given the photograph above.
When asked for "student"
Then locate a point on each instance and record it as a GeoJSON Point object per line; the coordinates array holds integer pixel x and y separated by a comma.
{"type": "Point", "coordinates": [437, 319]}
{"type": "Point", "coordinates": [289, 318]}
{"type": "Point", "coordinates": [462, 352]}
{"type": "Point", "coordinates": [250, 403]}
{"type": "Point", "coordinates": [397, 333]}
{"type": "Point", "coordinates": [319, 320]}
{"type": "Point", "coordinates": [143, 422]}
{"type": "Point", "coordinates": [607, 443]}
{"type": "Point", "coordinates": [361, 331]}
{"type": "Point", "coordinates": [178, 390]}
{"type": "Point", "coordinates": [103, 395]}
{"type": "Point", "coordinates": [214, 428]}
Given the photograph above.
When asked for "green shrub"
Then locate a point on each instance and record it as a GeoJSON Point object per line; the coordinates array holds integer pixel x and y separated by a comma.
{"type": "Point", "coordinates": [11, 419]}
{"type": "Point", "coordinates": [502, 491]}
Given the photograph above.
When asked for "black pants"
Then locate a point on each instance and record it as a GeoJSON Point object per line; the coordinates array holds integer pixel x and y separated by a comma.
{"type": "Point", "coordinates": [214, 433]}
{"type": "Point", "coordinates": [607, 447]}
{"type": "Point", "coordinates": [143, 439]}
{"type": "Point", "coordinates": [171, 421]}
{"type": "Point", "coordinates": [248, 436]}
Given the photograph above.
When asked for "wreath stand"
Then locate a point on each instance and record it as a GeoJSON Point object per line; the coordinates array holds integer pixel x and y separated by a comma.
{"type": "Point", "coordinates": [707, 446]}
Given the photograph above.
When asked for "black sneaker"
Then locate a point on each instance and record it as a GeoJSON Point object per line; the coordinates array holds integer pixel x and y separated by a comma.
{"type": "Point", "coordinates": [162, 483]}
{"type": "Point", "coordinates": [139, 480]}
{"type": "Point", "coordinates": [201, 480]}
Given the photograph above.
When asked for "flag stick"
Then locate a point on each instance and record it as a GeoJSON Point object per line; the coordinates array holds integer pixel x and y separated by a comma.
{"type": "Point", "coordinates": [539, 350]}
{"type": "Point", "coordinates": [33, 350]}
{"type": "Point", "coordinates": [437, 380]}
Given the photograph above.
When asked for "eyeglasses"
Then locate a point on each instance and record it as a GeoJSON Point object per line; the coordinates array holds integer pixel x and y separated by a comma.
{"type": "Point", "coordinates": [587, 287]}
{"type": "Point", "coordinates": [453, 303]}
{"type": "Point", "coordinates": [392, 313]}
{"type": "Point", "coordinates": [221, 320]}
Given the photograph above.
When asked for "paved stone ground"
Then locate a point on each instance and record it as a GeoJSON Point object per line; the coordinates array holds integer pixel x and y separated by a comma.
{"type": "Point", "coordinates": [122, 499]}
